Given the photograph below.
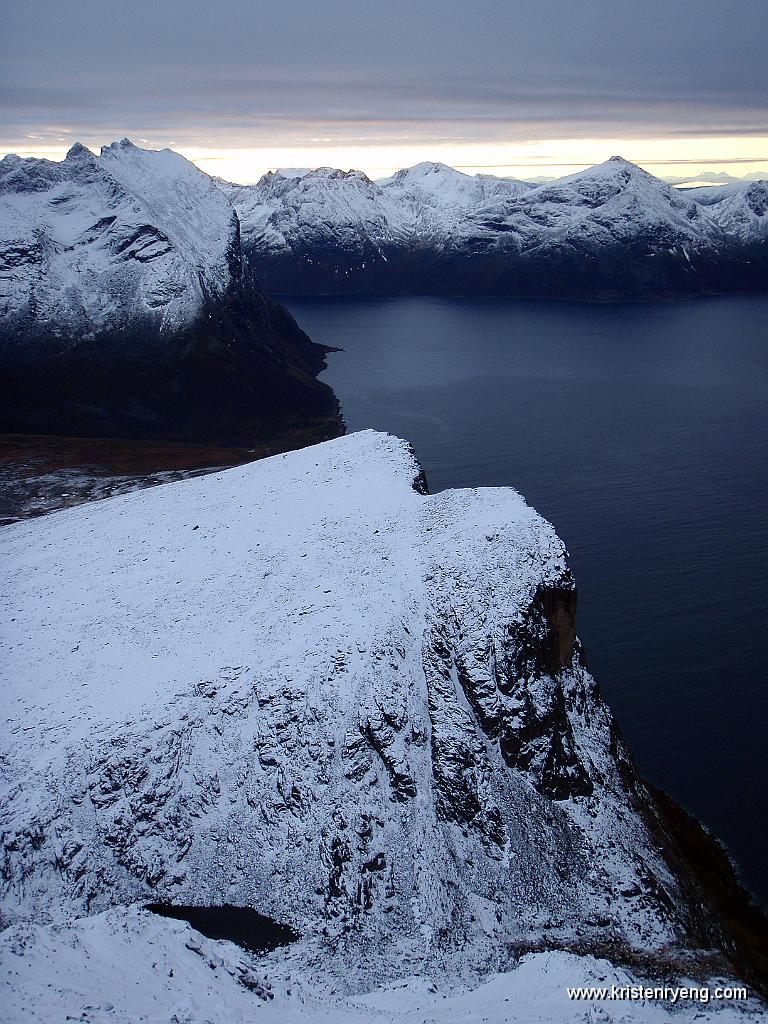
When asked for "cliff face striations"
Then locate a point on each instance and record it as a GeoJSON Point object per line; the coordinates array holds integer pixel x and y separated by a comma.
{"type": "Point", "coordinates": [304, 687]}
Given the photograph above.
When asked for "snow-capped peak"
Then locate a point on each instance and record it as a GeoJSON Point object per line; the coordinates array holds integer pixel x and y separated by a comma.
{"type": "Point", "coordinates": [295, 172]}
{"type": "Point", "coordinates": [435, 228]}
{"type": "Point", "coordinates": [435, 190]}
{"type": "Point", "coordinates": [627, 197]}
{"type": "Point", "coordinates": [79, 151]}
{"type": "Point", "coordinates": [124, 144]}
{"type": "Point", "coordinates": [615, 168]}
{"type": "Point", "coordinates": [426, 170]}
{"type": "Point", "coordinates": [129, 233]}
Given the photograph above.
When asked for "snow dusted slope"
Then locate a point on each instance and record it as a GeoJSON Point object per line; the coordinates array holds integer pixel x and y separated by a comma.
{"type": "Point", "coordinates": [303, 686]}
{"type": "Point", "coordinates": [434, 190]}
{"type": "Point", "coordinates": [741, 210]}
{"type": "Point", "coordinates": [610, 202]}
{"type": "Point", "coordinates": [611, 231]}
{"type": "Point", "coordinates": [121, 967]}
{"type": "Point", "coordinates": [320, 223]}
{"type": "Point", "coordinates": [326, 202]}
{"type": "Point", "coordinates": [328, 210]}
{"type": "Point", "coordinates": [126, 307]}
{"type": "Point", "coordinates": [80, 234]}
{"type": "Point", "coordinates": [330, 230]}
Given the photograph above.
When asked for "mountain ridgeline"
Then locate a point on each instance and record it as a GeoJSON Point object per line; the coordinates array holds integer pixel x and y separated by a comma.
{"type": "Point", "coordinates": [128, 310]}
{"type": "Point", "coordinates": [131, 301]}
{"type": "Point", "coordinates": [610, 232]}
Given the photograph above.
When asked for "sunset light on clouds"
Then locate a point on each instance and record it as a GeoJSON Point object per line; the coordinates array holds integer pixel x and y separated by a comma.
{"type": "Point", "coordinates": [251, 88]}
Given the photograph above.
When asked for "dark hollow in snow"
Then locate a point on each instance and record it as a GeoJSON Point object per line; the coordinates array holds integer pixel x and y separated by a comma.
{"type": "Point", "coordinates": [242, 925]}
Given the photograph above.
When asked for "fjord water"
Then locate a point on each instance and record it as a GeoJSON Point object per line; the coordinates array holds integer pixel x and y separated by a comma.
{"type": "Point", "coordinates": [640, 432]}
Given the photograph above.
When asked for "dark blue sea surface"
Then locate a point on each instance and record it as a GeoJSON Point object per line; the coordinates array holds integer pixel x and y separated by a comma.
{"type": "Point", "coordinates": [640, 431]}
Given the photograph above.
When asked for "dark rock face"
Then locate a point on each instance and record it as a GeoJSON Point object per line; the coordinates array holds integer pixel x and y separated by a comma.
{"type": "Point", "coordinates": [521, 705]}
{"type": "Point", "coordinates": [740, 926]}
{"type": "Point", "coordinates": [539, 734]}
{"type": "Point", "coordinates": [640, 269]}
{"type": "Point", "coordinates": [244, 373]}
{"type": "Point", "coordinates": [547, 636]}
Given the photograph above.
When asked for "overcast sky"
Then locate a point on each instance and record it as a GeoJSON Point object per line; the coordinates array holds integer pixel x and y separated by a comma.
{"type": "Point", "coordinates": [546, 82]}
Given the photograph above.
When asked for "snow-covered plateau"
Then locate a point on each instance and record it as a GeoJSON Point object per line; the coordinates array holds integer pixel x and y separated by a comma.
{"type": "Point", "coordinates": [308, 687]}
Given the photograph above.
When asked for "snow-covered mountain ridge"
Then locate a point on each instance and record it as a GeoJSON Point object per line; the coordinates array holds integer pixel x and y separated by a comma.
{"type": "Point", "coordinates": [740, 209]}
{"type": "Point", "coordinates": [611, 231]}
{"type": "Point", "coordinates": [90, 228]}
{"type": "Point", "coordinates": [305, 686]}
{"type": "Point", "coordinates": [127, 308]}
{"type": "Point", "coordinates": [129, 302]}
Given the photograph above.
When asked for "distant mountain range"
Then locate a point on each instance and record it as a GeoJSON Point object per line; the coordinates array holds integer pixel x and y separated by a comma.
{"type": "Point", "coordinates": [131, 299]}
{"type": "Point", "coordinates": [610, 232]}
{"type": "Point", "coordinates": [719, 178]}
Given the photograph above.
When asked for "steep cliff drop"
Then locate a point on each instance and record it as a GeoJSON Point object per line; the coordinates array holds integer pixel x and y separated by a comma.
{"type": "Point", "coordinates": [305, 687]}
{"type": "Point", "coordinates": [128, 310]}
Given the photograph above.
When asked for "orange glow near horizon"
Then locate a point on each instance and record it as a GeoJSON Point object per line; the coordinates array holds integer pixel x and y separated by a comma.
{"type": "Point", "coordinates": [664, 157]}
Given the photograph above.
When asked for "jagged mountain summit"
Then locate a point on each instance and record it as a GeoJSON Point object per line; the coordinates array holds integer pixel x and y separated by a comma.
{"type": "Point", "coordinates": [741, 209]}
{"type": "Point", "coordinates": [611, 231]}
{"type": "Point", "coordinates": [346, 210]}
{"type": "Point", "coordinates": [128, 306]}
{"type": "Point", "coordinates": [307, 687]}
{"type": "Point", "coordinates": [127, 309]}
{"type": "Point", "coordinates": [436, 184]}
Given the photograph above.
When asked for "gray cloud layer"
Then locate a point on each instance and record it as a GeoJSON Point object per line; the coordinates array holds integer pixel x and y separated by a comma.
{"type": "Point", "coordinates": [249, 71]}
